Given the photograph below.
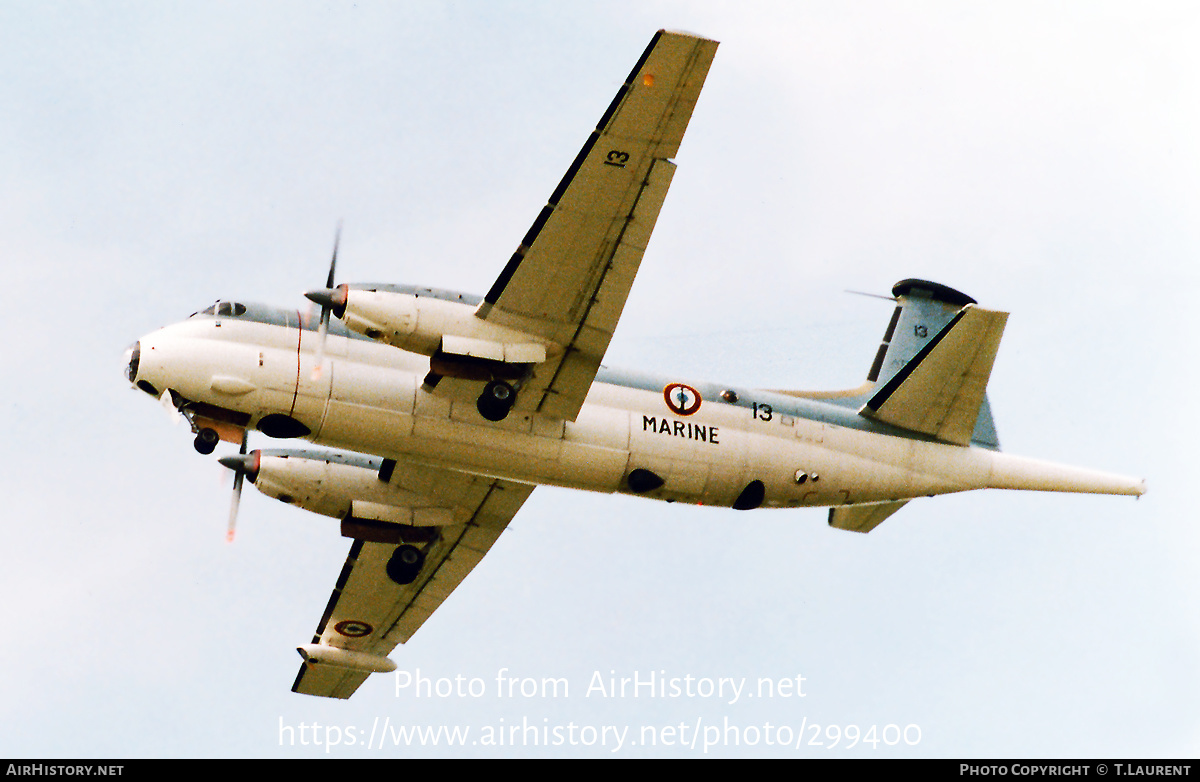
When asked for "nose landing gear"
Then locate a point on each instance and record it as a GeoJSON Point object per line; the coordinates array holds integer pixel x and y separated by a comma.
{"type": "Point", "coordinates": [206, 441]}
{"type": "Point", "coordinates": [211, 424]}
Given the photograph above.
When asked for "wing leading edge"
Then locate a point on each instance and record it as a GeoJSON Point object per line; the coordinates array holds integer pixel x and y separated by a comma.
{"type": "Point", "coordinates": [569, 278]}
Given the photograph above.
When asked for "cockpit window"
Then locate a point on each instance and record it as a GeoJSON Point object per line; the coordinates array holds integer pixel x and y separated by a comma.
{"type": "Point", "coordinates": [226, 308]}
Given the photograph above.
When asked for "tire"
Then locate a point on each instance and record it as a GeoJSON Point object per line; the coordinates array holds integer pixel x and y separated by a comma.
{"type": "Point", "coordinates": [405, 564]}
{"type": "Point", "coordinates": [496, 400]}
{"type": "Point", "coordinates": [206, 441]}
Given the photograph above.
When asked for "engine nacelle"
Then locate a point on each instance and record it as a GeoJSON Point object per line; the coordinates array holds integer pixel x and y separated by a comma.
{"type": "Point", "coordinates": [429, 325]}
{"type": "Point", "coordinates": [349, 487]}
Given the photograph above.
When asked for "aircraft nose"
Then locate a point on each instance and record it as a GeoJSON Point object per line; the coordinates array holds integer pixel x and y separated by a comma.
{"type": "Point", "coordinates": [133, 356]}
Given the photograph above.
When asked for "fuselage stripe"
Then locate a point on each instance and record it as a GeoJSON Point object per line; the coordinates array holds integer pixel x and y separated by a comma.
{"type": "Point", "coordinates": [296, 389]}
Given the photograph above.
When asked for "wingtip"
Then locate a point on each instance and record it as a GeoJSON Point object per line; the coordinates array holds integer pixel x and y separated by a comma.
{"type": "Point", "coordinates": [688, 34]}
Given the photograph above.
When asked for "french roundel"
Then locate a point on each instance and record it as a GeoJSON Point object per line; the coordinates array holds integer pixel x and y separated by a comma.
{"type": "Point", "coordinates": [682, 399]}
{"type": "Point", "coordinates": [353, 628]}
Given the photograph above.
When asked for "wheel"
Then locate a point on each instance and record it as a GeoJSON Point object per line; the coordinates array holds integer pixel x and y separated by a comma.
{"type": "Point", "coordinates": [405, 564]}
{"type": "Point", "coordinates": [496, 400]}
{"type": "Point", "coordinates": [206, 441]}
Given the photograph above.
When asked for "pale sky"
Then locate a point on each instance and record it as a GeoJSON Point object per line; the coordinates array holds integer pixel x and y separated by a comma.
{"type": "Point", "coordinates": [1042, 158]}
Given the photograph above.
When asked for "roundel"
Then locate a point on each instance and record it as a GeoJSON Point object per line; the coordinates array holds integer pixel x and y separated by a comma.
{"type": "Point", "coordinates": [353, 628]}
{"type": "Point", "coordinates": [682, 399]}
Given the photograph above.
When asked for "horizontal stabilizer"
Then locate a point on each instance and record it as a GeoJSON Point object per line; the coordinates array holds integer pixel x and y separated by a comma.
{"type": "Point", "coordinates": [864, 517]}
{"type": "Point", "coordinates": [940, 390]}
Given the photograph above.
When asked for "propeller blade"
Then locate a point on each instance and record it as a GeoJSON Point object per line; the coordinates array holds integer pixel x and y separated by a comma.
{"type": "Point", "coordinates": [168, 404]}
{"type": "Point", "coordinates": [326, 305]}
{"type": "Point", "coordinates": [322, 330]}
{"type": "Point", "coordinates": [337, 239]}
{"type": "Point", "coordinates": [233, 506]}
{"type": "Point", "coordinates": [241, 464]}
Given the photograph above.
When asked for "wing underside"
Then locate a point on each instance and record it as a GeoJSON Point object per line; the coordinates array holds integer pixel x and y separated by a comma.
{"type": "Point", "coordinates": [569, 278]}
{"type": "Point", "coordinates": [371, 614]}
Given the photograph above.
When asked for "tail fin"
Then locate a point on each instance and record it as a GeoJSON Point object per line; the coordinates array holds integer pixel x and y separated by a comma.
{"type": "Point", "coordinates": [923, 309]}
{"type": "Point", "coordinates": [931, 371]}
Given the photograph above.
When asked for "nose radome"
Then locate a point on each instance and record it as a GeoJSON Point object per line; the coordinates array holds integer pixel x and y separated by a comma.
{"type": "Point", "coordinates": [133, 354]}
{"type": "Point", "coordinates": [133, 357]}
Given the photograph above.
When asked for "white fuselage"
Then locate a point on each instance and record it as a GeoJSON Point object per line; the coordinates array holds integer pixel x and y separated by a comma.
{"type": "Point", "coordinates": [368, 398]}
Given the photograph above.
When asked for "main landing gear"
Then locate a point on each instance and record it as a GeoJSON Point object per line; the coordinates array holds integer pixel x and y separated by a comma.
{"type": "Point", "coordinates": [405, 564]}
{"type": "Point", "coordinates": [496, 400]}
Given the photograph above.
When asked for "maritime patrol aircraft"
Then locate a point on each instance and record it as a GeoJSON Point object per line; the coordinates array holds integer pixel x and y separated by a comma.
{"type": "Point", "coordinates": [447, 409]}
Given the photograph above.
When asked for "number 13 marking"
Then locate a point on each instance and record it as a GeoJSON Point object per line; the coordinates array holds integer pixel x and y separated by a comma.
{"type": "Point", "coordinates": [760, 412]}
{"type": "Point", "coordinates": [616, 158]}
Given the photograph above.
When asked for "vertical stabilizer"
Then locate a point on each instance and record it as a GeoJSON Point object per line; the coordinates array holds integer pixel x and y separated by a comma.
{"type": "Point", "coordinates": [923, 309]}
{"type": "Point", "coordinates": [931, 372]}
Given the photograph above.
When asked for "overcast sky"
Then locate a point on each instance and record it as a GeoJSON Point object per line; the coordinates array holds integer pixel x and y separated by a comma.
{"type": "Point", "coordinates": [1042, 158]}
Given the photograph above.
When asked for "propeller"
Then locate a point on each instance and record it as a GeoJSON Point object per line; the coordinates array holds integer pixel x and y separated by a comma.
{"type": "Point", "coordinates": [167, 400]}
{"type": "Point", "coordinates": [242, 465]}
{"type": "Point", "coordinates": [326, 298]}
